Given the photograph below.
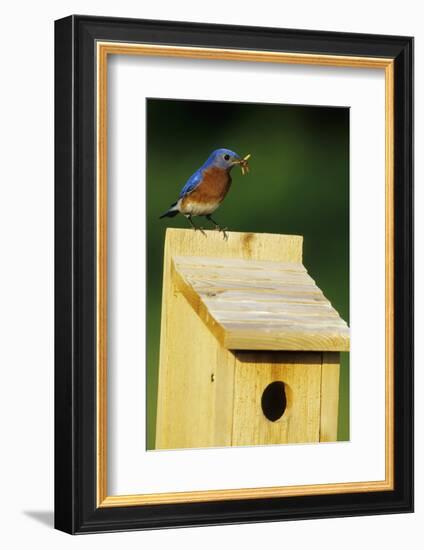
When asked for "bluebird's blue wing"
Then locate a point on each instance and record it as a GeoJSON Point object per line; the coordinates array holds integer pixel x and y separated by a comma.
{"type": "Point", "coordinates": [191, 183]}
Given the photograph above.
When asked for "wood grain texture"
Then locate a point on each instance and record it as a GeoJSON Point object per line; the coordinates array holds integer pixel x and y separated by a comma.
{"type": "Point", "coordinates": [329, 396]}
{"type": "Point", "coordinates": [260, 247]}
{"type": "Point", "coordinates": [209, 391]}
{"type": "Point", "coordinates": [261, 305]}
{"type": "Point", "coordinates": [237, 337]}
{"type": "Point", "coordinates": [192, 367]}
{"type": "Point", "coordinates": [301, 374]}
{"type": "Point", "coordinates": [196, 372]}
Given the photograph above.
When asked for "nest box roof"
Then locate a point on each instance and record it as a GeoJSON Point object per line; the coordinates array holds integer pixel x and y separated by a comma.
{"type": "Point", "coordinates": [260, 305]}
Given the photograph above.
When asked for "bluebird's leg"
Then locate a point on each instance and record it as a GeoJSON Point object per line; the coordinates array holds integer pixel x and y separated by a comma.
{"type": "Point", "coordinates": [194, 227]}
{"type": "Point", "coordinates": [218, 227]}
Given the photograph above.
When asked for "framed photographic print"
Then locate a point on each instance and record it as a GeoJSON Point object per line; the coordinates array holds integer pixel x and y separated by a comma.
{"type": "Point", "coordinates": [233, 272]}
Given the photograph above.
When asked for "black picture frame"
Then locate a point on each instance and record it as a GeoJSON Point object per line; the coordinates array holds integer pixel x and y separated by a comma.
{"type": "Point", "coordinates": [76, 510]}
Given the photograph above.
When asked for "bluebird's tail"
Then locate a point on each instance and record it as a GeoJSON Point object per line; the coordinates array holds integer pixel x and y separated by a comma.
{"type": "Point", "coordinates": [171, 212]}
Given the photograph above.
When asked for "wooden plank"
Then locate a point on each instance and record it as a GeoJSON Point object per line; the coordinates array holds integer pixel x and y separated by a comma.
{"type": "Point", "coordinates": [278, 318]}
{"type": "Point", "coordinates": [290, 308]}
{"type": "Point", "coordinates": [316, 340]}
{"type": "Point", "coordinates": [210, 285]}
{"type": "Point", "coordinates": [195, 371]}
{"type": "Point", "coordinates": [228, 274]}
{"type": "Point", "coordinates": [224, 374]}
{"type": "Point", "coordinates": [262, 247]}
{"type": "Point", "coordinates": [257, 296]}
{"type": "Point", "coordinates": [200, 262]}
{"type": "Point", "coordinates": [278, 327]}
{"type": "Point", "coordinates": [329, 396]}
{"type": "Point", "coordinates": [301, 374]}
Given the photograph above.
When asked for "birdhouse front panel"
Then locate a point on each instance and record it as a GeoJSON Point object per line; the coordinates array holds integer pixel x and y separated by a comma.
{"type": "Point", "coordinates": [277, 398]}
{"type": "Point", "coordinates": [249, 344]}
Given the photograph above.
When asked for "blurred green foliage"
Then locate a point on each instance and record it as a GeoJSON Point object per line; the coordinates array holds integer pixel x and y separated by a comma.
{"type": "Point", "coordinates": [298, 184]}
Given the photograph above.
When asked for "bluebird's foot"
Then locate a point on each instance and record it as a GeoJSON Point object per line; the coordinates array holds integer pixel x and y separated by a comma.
{"type": "Point", "coordinates": [195, 226]}
{"type": "Point", "coordinates": [224, 232]}
{"type": "Point", "coordinates": [218, 227]}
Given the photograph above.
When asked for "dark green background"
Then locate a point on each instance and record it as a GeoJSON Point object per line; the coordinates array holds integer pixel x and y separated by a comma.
{"type": "Point", "coordinates": [298, 184]}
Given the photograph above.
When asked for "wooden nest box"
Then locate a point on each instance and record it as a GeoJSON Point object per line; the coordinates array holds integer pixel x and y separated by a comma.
{"type": "Point", "coordinates": [249, 351]}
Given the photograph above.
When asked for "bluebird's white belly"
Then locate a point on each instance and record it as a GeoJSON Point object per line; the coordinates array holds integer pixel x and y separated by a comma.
{"type": "Point", "coordinates": [194, 208]}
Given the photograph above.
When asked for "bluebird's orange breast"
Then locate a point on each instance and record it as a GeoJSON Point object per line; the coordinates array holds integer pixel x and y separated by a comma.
{"type": "Point", "coordinates": [209, 194]}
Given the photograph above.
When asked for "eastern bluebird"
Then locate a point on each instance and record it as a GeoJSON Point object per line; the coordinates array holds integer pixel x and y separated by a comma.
{"type": "Point", "coordinates": [207, 187]}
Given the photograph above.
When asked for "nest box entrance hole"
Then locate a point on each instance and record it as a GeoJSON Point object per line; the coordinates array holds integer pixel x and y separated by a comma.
{"type": "Point", "coordinates": [274, 401]}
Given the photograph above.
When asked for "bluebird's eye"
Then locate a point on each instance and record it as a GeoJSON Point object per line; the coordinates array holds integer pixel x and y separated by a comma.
{"type": "Point", "coordinates": [226, 157]}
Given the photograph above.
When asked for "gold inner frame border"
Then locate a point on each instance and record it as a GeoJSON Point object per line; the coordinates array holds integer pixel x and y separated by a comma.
{"type": "Point", "coordinates": [103, 50]}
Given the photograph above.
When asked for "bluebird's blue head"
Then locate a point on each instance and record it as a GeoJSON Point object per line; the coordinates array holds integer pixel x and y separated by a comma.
{"type": "Point", "coordinates": [223, 158]}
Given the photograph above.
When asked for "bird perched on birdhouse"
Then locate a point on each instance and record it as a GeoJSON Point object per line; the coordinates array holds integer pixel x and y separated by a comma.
{"type": "Point", "coordinates": [207, 188]}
